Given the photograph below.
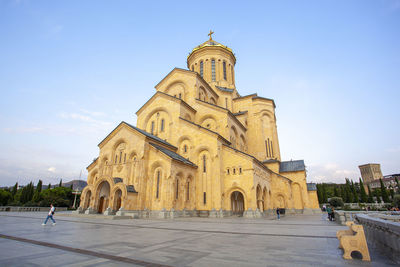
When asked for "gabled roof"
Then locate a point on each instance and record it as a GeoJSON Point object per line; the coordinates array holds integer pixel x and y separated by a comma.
{"type": "Point", "coordinates": [201, 127]}
{"type": "Point", "coordinates": [255, 96]}
{"type": "Point", "coordinates": [173, 155]}
{"type": "Point", "coordinates": [191, 73]}
{"type": "Point", "coordinates": [153, 137]}
{"type": "Point", "coordinates": [159, 93]}
{"type": "Point", "coordinates": [292, 166]}
{"type": "Point", "coordinates": [240, 113]}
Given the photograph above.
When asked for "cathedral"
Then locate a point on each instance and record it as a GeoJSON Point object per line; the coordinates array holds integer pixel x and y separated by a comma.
{"type": "Point", "coordinates": [199, 149]}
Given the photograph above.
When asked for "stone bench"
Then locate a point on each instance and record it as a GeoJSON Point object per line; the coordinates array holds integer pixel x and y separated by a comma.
{"type": "Point", "coordinates": [353, 239]}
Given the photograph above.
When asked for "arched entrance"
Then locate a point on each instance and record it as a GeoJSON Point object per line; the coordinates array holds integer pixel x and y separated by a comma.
{"type": "Point", "coordinates": [87, 199]}
{"type": "Point", "coordinates": [237, 201]}
{"type": "Point", "coordinates": [104, 196]}
{"type": "Point", "coordinates": [117, 199]}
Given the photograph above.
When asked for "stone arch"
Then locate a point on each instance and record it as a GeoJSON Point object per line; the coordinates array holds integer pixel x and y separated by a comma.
{"type": "Point", "coordinates": [157, 123]}
{"type": "Point", "coordinates": [119, 154]}
{"type": "Point", "coordinates": [93, 176]}
{"type": "Point", "coordinates": [102, 195]}
{"type": "Point", "coordinates": [87, 199]}
{"type": "Point", "coordinates": [264, 198]}
{"type": "Point", "coordinates": [242, 143]}
{"type": "Point", "coordinates": [187, 117]}
{"type": "Point", "coordinates": [158, 176]}
{"type": "Point", "coordinates": [189, 190]}
{"type": "Point", "coordinates": [203, 94]}
{"type": "Point", "coordinates": [238, 205]}
{"type": "Point", "coordinates": [185, 145]}
{"type": "Point", "coordinates": [280, 201]}
{"type": "Point", "coordinates": [213, 101]}
{"type": "Point", "coordinates": [209, 122]}
{"type": "Point", "coordinates": [233, 136]}
{"type": "Point", "coordinates": [260, 201]}
{"type": "Point", "coordinates": [177, 89]}
{"type": "Point", "coordinates": [297, 196]}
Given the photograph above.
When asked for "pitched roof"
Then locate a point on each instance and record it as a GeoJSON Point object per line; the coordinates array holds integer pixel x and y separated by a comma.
{"type": "Point", "coordinates": [142, 132]}
{"type": "Point", "coordinates": [224, 89]}
{"type": "Point", "coordinates": [292, 166]}
{"type": "Point", "coordinates": [173, 155]}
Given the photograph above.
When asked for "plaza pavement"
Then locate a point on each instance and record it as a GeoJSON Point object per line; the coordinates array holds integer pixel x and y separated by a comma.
{"type": "Point", "coordinates": [296, 240]}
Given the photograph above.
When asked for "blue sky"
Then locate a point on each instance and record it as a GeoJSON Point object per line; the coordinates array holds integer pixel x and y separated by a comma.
{"type": "Point", "coordinates": [71, 71]}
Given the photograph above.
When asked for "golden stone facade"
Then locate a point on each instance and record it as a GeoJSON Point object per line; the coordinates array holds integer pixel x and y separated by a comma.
{"type": "Point", "coordinates": [199, 149]}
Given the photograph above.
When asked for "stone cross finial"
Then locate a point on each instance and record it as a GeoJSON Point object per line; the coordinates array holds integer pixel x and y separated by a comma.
{"type": "Point", "coordinates": [210, 34]}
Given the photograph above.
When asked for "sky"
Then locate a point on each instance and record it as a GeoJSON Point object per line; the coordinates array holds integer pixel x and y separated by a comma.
{"type": "Point", "coordinates": [71, 71]}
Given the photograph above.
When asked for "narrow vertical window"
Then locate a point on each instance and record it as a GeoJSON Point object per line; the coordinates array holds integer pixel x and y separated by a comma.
{"type": "Point", "coordinates": [269, 148]}
{"type": "Point", "coordinates": [272, 149]}
{"type": "Point", "coordinates": [125, 158]}
{"type": "Point", "coordinates": [116, 157]}
{"type": "Point", "coordinates": [266, 148]}
{"type": "Point", "coordinates": [180, 95]}
{"type": "Point", "coordinates": [120, 156]}
{"type": "Point", "coordinates": [234, 171]}
{"type": "Point", "coordinates": [226, 102]}
{"type": "Point", "coordinates": [152, 127]}
{"type": "Point", "coordinates": [204, 198]}
{"type": "Point", "coordinates": [201, 68]}
{"type": "Point", "coordinates": [187, 191]}
{"type": "Point", "coordinates": [240, 170]}
{"type": "Point", "coordinates": [213, 70]}
{"type": "Point", "coordinates": [204, 163]}
{"type": "Point", "coordinates": [232, 74]}
{"type": "Point", "coordinates": [224, 69]}
{"type": "Point", "coordinates": [158, 183]}
{"type": "Point", "coordinates": [177, 189]}
{"type": "Point", "coordinates": [185, 148]}
{"type": "Point", "coordinates": [227, 171]}
{"type": "Point", "coordinates": [162, 125]}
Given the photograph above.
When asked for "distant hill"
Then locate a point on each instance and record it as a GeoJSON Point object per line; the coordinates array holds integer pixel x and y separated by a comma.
{"type": "Point", "coordinates": [76, 184]}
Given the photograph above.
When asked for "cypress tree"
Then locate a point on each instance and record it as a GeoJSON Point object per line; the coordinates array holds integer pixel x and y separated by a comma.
{"type": "Point", "coordinates": [391, 191]}
{"type": "Point", "coordinates": [49, 186]}
{"type": "Point", "coordinates": [39, 186]}
{"type": "Point", "coordinates": [60, 185]}
{"type": "Point", "coordinates": [363, 195]}
{"type": "Point", "coordinates": [335, 191]}
{"type": "Point", "coordinates": [370, 196]}
{"type": "Point", "coordinates": [384, 193]}
{"type": "Point", "coordinates": [354, 192]}
{"type": "Point", "coordinates": [319, 193]}
{"type": "Point", "coordinates": [15, 189]}
{"type": "Point", "coordinates": [349, 195]}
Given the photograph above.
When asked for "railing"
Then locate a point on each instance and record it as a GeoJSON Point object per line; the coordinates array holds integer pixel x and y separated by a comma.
{"type": "Point", "coordinates": [25, 209]}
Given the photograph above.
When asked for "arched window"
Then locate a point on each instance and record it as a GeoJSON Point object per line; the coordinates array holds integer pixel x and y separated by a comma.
{"type": "Point", "coordinates": [187, 191]}
{"type": "Point", "coordinates": [185, 148]}
{"type": "Point", "coordinates": [158, 184]}
{"type": "Point", "coordinates": [224, 68]}
{"type": "Point", "coordinates": [201, 68]}
{"type": "Point", "coordinates": [152, 127]}
{"type": "Point", "coordinates": [162, 125]}
{"type": "Point", "coordinates": [234, 171]}
{"type": "Point", "coordinates": [227, 171]}
{"type": "Point", "coordinates": [204, 163]}
{"type": "Point", "coordinates": [177, 189]}
{"type": "Point", "coordinates": [116, 157]}
{"type": "Point", "coordinates": [120, 156]}
{"type": "Point", "coordinates": [125, 158]}
{"type": "Point", "coordinates": [213, 70]}
{"type": "Point", "coordinates": [240, 170]}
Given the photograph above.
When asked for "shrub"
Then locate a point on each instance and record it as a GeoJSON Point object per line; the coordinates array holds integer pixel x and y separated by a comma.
{"type": "Point", "coordinates": [336, 202]}
{"type": "Point", "coordinates": [396, 201]}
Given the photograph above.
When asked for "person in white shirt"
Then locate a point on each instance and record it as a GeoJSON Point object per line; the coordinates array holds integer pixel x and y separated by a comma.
{"type": "Point", "coordinates": [50, 215]}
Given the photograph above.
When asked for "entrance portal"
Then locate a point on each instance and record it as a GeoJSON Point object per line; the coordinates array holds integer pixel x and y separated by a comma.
{"type": "Point", "coordinates": [237, 201]}
{"type": "Point", "coordinates": [117, 200]}
{"type": "Point", "coordinates": [104, 196]}
{"type": "Point", "coordinates": [101, 205]}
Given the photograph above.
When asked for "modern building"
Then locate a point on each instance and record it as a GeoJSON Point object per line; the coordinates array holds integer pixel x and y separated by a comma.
{"type": "Point", "coordinates": [199, 148]}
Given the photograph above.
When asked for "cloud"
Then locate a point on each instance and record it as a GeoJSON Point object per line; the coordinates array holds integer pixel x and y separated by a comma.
{"type": "Point", "coordinates": [330, 172]}
{"type": "Point", "coordinates": [52, 169]}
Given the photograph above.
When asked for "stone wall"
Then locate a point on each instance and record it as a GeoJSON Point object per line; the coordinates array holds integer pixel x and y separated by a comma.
{"type": "Point", "coordinates": [12, 208]}
{"type": "Point", "coordinates": [342, 217]}
{"type": "Point", "coordinates": [382, 234]}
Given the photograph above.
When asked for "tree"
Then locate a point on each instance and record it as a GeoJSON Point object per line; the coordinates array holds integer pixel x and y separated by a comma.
{"type": "Point", "coordinates": [335, 192]}
{"type": "Point", "coordinates": [15, 189]}
{"type": "Point", "coordinates": [60, 185]}
{"type": "Point", "coordinates": [39, 186]}
{"type": "Point", "coordinates": [398, 185]}
{"type": "Point", "coordinates": [49, 186]}
{"type": "Point", "coordinates": [396, 201]}
{"type": "Point", "coordinates": [5, 197]}
{"type": "Point", "coordinates": [348, 193]}
{"type": "Point", "coordinates": [384, 193]}
{"type": "Point", "coordinates": [354, 192]}
{"type": "Point", "coordinates": [370, 196]}
{"type": "Point", "coordinates": [336, 202]}
{"type": "Point", "coordinates": [363, 195]}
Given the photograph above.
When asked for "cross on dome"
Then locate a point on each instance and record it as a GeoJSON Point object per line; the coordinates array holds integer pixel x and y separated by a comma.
{"type": "Point", "coordinates": [210, 34]}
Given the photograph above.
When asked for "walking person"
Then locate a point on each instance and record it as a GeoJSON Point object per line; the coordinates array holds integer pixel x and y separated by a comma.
{"type": "Point", "coordinates": [50, 215]}
{"type": "Point", "coordinates": [278, 213]}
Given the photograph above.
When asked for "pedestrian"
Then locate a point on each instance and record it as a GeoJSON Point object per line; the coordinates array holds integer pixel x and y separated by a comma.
{"type": "Point", "coordinates": [278, 213]}
{"type": "Point", "coordinates": [329, 210]}
{"type": "Point", "coordinates": [50, 215]}
{"type": "Point", "coordinates": [333, 214]}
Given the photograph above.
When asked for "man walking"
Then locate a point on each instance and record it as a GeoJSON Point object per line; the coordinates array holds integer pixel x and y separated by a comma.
{"type": "Point", "coordinates": [50, 215]}
{"type": "Point", "coordinates": [278, 213]}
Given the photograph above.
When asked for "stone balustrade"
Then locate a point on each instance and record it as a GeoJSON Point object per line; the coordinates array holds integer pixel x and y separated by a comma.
{"type": "Point", "coordinates": [24, 209]}
{"type": "Point", "coordinates": [382, 233]}
{"type": "Point", "coordinates": [342, 216]}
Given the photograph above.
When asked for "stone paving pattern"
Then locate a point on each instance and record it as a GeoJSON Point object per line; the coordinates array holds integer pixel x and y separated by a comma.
{"type": "Point", "coordinates": [298, 240]}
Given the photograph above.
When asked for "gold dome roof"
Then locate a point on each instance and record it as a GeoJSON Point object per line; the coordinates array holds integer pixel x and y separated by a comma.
{"type": "Point", "coordinates": [210, 43]}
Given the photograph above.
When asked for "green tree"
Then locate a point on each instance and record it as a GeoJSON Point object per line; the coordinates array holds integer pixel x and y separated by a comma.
{"type": "Point", "coordinates": [354, 192]}
{"type": "Point", "coordinates": [384, 193]}
{"type": "Point", "coordinates": [5, 197]}
{"type": "Point", "coordinates": [15, 189]}
{"type": "Point", "coordinates": [49, 186]}
{"type": "Point", "coordinates": [370, 196]}
{"type": "Point", "coordinates": [336, 202]}
{"type": "Point", "coordinates": [60, 185]}
{"type": "Point", "coordinates": [39, 186]}
{"type": "Point", "coordinates": [363, 194]}
{"type": "Point", "coordinates": [348, 193]}
{"type": "Point", "coordinates": [396, 201]}
{"type": "Point", "coordinates": [335, 191]}
{"type": "Point", "coordinates": [398, 185]}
